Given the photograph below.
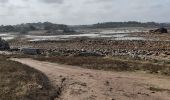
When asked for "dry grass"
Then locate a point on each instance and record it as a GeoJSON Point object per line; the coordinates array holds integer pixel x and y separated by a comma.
{"type": "Point", "coordinates": [156, 89]}
{"type": "Point", "coordinates": [20, 82]}
{"type": "Point", "coordinates": [101, 63]}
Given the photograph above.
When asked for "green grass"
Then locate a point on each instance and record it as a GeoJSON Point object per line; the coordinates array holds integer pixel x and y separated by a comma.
{"type": "Point", "coordinates": [20, 82]}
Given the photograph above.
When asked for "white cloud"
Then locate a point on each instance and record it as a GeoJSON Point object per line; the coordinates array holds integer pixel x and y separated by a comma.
{"type": "Point", "coordinates": [3, 1]}
{"type": "Point", "coordinates": [52, 1]}
{"type": "Point", "coordinates": [83, 11]}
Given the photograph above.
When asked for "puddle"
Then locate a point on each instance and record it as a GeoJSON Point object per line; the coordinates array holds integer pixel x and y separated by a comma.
{"type": "Point", "coordinates": [130, 38]}
{"type": "Point", "coordinates": [7, 36]}
{"type": "Point", "coordinates": [63, 37]}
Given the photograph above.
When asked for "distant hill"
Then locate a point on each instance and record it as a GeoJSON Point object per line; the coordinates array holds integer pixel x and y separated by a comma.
{"type": "Point", "coordinates": [124, 24]}
{"type": "Point", "coordinates": [52, 28]}
{"type": "Point", "coordinates": [24, 28]}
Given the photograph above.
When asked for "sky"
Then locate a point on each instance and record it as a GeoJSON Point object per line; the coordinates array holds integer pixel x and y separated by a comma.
{"type": "Point", "coordinates": [75, 12]}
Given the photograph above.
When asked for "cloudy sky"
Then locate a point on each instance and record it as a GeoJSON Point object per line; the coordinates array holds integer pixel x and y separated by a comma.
{"type": "Point", "coordinates": [83, 11]}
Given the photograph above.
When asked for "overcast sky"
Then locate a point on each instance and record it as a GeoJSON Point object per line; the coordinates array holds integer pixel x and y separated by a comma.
{"type": "Point", "coordinates": [83, 11]}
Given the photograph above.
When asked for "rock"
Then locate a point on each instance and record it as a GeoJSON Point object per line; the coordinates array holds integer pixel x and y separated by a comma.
{"type": "Point", "coordinates": [89, 54]}
{"type": "Point", "coordinates": [4, 45]}
{"type": "Point", "coordinates": [160, 30]}
{"type": "Point", "coordinates": [40, 87]}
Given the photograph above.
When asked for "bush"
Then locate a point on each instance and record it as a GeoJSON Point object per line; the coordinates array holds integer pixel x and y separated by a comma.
{"type": "Point", "coordinates": [20, 82]}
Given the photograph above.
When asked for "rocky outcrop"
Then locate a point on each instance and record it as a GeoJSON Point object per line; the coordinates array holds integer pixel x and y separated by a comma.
{"type": "Point", "coordinates": [4, 44]}
{"type": "Point", "coordinates": [86, 54]}
{"type": "Point", "coordinates": [160, 30]}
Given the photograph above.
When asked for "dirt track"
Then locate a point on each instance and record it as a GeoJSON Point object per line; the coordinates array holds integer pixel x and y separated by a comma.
{"type": "Point", "coordinates": [86, 84]}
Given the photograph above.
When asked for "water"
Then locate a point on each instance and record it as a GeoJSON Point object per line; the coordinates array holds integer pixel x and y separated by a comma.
{"type": "Point", "coordinates": [7, 36]}
{"type": "Point", "coordinates": [130, 38]}
{"type": "Point", "coordinates": [59, 37]}
{"type": "Point", "coordinates": [115, 34]}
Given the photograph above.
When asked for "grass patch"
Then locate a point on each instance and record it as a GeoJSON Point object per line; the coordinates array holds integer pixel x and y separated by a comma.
{"type": "Point", "coordinates": [155, 89]}
{"type": "Point", "coordinates": [102, 63]}
{"type": "Point", "coordinates": [20, 82]}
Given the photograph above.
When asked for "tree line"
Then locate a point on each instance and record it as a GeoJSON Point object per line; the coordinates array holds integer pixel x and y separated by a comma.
{"type": "Point", "coordinates": [125, 24]}
{"type": "Point", "coordinates": [24, 28]}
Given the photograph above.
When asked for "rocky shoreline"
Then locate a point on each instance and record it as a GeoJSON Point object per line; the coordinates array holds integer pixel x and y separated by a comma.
{"type": "Point", "coordinates": [138, 49]}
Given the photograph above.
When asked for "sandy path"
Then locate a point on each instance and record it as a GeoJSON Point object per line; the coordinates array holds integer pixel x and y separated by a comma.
{"type": "Point", "coordinates": [86, 84]}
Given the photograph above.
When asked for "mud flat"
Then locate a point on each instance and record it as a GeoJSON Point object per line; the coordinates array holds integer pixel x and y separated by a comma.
{"type": "Point", "coordinates": [106, 42]}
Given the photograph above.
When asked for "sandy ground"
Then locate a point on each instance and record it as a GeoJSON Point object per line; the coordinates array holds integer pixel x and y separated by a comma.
{"type": "Point", "coordinates": [85, 84]}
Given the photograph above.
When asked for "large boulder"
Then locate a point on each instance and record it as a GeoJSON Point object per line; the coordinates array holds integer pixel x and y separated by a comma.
{"type": "Point", "coordinates": [4, 44]}
{"type": "Point", "coordinates": [160, 30]}
{"type": "Point", "coordinates": [86, 54]}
